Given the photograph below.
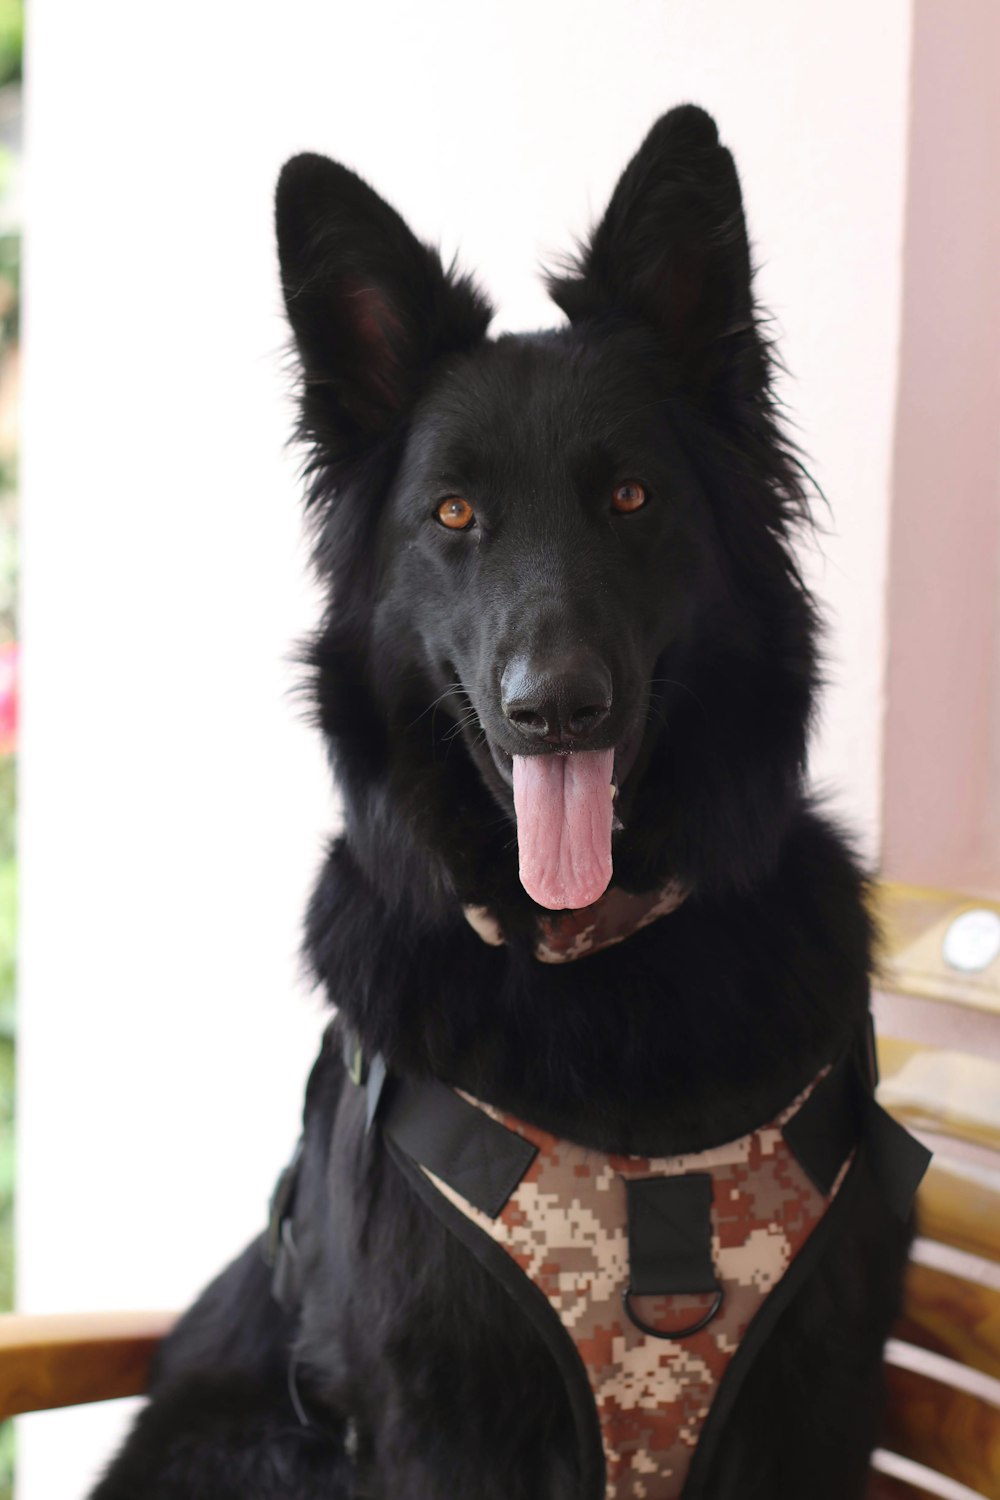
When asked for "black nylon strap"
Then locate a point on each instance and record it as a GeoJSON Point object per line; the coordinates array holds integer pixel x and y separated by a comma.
{"type": "Point", "coordinates": [841, 1112]}
{"type": "Point", "coordinates": [474, 1154]}
{"type": "Point", "coordinates": [462, 1145]}
{"type": "Point", "coordinates": [374, 1084]}
{"type": "Point", "coordinates": [897, 1159]}
{"type": "Point", "coordinates": [869, 1054]}
{"type": "Point", "coordinates": [824, 1132]}
{"type": "Point", "coordinates": [670, 1235]}
{"type": "Point", "coordinates": [368, 1073]}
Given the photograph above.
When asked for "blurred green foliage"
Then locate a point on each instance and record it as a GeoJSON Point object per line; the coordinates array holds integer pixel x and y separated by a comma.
{"type": "Point", "coordinates": [11, 40]}
{"type": "Point", "coordinates": [10, 286]}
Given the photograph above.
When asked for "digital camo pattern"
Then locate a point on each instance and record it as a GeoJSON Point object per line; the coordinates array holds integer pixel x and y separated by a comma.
{"type": "Point", "coordinates": [565, 935]}
{"type": "Point", "coordinates": [566, 1227]}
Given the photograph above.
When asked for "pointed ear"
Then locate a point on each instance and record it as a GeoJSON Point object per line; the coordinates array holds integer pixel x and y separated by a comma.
{"type": "Point", "coordinates": [371, 308]}
{"type": "Point", "coordinates": [672, 248]}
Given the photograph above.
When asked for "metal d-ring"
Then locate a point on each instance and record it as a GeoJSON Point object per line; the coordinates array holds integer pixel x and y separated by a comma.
{"type": "Point", "coordinates": [676, 1333]}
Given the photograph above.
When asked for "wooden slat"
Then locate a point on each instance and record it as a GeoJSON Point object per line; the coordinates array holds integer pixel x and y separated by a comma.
{"type": "Point", "coordinates": [67, 1360]}
{"type": "Point", "coordinates": [888, 1487]}
{"type": "Point", "coordinates": [958, 1211]}
{"type": "Point", "coordinates": [950, 1093]}
{"type": "Point", "coordinates": [950, 1316]}
{"type": "Point", "coordinates": [947, 1430]}
{"type": "Point", "coordinates": [913, 922]}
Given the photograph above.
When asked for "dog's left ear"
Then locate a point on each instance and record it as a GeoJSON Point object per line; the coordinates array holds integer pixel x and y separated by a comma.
{"type": "Point", "coordinates": [672, 248]}
{"type": "Point", "coordinates": [371, 307]}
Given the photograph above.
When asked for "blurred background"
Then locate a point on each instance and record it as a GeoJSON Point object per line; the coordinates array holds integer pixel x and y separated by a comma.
{"type": "Point", "coordinates": [172, 804]}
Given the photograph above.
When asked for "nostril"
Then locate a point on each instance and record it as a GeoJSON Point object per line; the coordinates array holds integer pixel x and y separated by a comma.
{"type": "Point", "coordinates": [560, 699]}
{"type": "Point", "coordinates": [529, 722]}
{"type": "Point", "coordinates": [585, 720]}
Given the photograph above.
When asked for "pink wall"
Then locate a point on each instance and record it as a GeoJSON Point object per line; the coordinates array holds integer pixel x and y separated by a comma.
{"type": "Point", "coordinates": [941, 822]}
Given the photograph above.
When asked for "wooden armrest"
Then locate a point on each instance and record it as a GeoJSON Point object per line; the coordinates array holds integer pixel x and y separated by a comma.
{"type": "Point", "coordinates": [67, 1359]}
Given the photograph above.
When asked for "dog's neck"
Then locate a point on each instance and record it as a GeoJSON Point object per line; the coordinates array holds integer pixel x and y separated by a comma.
{"type": "Point", "coordinates": [565, 935]}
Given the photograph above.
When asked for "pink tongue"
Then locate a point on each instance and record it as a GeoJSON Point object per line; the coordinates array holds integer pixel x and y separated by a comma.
{"type": "Point", "coordinates": [564, 809]}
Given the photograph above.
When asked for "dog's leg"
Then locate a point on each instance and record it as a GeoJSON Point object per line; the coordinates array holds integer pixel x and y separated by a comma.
{"type": "Point", "coordinates": [220, 1424]}
{"type": "Point", "coordinates": [225, 1438]}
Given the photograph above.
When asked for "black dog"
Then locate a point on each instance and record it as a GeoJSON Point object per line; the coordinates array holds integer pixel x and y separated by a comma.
{"type": "Point", "coordinates": [565, 632]}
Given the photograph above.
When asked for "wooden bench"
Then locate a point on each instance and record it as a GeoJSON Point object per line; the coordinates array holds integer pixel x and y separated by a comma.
{"type": "Point", "coordinates": [939, 1056]}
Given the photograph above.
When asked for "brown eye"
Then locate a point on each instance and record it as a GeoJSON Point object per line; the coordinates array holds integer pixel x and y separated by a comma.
{"type": "Point", "coordinates": [455, 513]}
{"type": "Point", "coordinates": [628, 497]}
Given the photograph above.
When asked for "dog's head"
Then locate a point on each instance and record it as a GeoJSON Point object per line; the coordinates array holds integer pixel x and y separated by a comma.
{"type": "Point", "coordinates": [561, 595]}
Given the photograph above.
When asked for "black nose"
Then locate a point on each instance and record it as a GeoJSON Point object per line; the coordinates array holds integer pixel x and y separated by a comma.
{"type": "Point", "coordinates": [556, 700]}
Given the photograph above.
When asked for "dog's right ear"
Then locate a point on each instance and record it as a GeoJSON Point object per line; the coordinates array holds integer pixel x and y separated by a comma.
{"type": "Point", "coordinates": [371, 308]}
{"type": "Point", "coordinates": [672, 251]}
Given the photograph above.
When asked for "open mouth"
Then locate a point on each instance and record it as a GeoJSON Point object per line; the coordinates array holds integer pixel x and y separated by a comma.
{"type": "Point", "coordinates": [625, 753]}
{"type": "Point", "coordinates": [566, 813]}
{"type": "Point", "coordinates": [565, 800]}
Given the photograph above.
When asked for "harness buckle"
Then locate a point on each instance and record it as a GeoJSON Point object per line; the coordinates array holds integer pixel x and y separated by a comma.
{"type": "Point", "coordinates": [365, 1072]}
{"type": "Point", "coordinates": [357, 1063]}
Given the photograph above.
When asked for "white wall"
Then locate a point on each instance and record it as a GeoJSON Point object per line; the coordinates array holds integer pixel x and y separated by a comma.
{"type": "Point", "coordinates": [174, 806]}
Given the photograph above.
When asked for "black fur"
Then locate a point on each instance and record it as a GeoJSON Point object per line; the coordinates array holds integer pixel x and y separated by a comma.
{"type": "Point", "coordinates": [691, 1032]}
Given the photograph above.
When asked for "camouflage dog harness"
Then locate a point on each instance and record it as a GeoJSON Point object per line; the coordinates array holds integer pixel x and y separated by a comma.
{"type": "Point", "coordinates": [654, 1280]}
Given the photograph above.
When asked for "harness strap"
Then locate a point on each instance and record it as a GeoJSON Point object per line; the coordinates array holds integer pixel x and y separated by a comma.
{"type": "Point", "coordinates": [474, 1154]}
{"type": "Point", "coordinates": [482, 1160]}
{"type": "Point", "coordinates": [669, 1229]}
{"type": "Point", "coordinates": [670, 1235]}
{"type": "Point", "coordinates": [825, 1129]}
{"type": "Point", "coordinates": [897, 1159]}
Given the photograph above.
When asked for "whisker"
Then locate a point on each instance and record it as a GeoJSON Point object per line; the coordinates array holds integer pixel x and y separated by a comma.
{"type": "Point", "coordinates": [456, 687]}
{"type": "Point", "coordinates": [673, 682]}
{"type": "Point", "coordinates": [469, 717]}
{"type": "Point", "coordinates": [655, 713]}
